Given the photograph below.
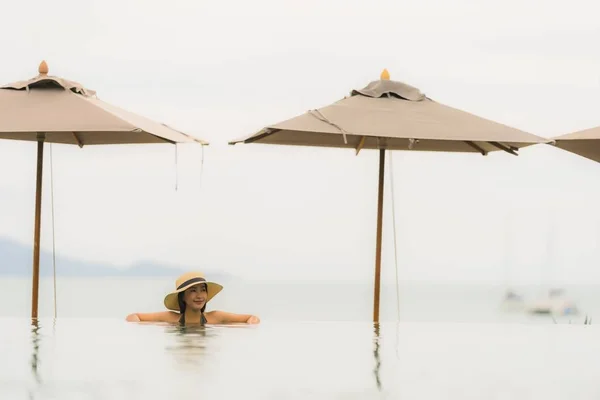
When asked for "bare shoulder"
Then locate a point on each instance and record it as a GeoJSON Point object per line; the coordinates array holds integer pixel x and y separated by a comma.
{"type": "Point", "coordinates": [217, 317]}
{"type": "Point", "coordinates": [222, 317]}
{"type": "Point", "coordinates": [171, 316]}
{"type": "Point", "coordinates": [212, 317]}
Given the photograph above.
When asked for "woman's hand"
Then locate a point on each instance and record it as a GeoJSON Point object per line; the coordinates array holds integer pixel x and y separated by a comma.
{"type": "Point", "coordinates": [253, 320]}
{"type": "Point", "coordinates": [133, 318]}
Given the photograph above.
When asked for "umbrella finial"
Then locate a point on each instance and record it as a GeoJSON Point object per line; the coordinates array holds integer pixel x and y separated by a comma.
{"type": "Point", "coordinates": [43, 68]}
{"type": "Point", "coordinates": [385, 75]}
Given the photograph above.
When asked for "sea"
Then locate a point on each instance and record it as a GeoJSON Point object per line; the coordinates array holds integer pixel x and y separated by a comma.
{"type": "Point", "coordinates": [316, 340]}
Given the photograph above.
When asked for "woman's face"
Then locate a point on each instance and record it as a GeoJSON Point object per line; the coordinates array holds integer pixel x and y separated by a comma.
{"type": "Point", "coordinates": [195, 297]}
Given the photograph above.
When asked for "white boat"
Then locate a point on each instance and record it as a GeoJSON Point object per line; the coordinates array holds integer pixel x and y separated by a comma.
{"type": "Point", "coordinates": [512, 302]}
{"type": "Point", "coordinates": [554, 303]}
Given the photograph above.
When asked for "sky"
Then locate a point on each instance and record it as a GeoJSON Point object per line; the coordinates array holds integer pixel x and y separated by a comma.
{"type": "Point", "coordinates": [223, 70]}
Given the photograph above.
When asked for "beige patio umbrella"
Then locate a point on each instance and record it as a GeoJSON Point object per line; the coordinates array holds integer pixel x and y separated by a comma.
{"type": "Point", "coordinates": [585, 143]}
{"type": "Point", "coordinates": [391, 115]}
{"type": "Point", "coordinates": [55, 110]}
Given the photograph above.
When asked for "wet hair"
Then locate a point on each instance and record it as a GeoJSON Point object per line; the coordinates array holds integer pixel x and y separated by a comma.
{"type": "Point", "coordinates": [183, 306]}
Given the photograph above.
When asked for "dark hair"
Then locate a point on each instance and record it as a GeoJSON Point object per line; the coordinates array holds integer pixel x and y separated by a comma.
{"type": "Point", "coordinates": [182, 307]}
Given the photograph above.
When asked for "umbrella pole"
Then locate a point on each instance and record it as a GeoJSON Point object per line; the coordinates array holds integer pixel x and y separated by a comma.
{"type": "Point", "coordinates": [379, 235]}
{"type": "Point", "coordinates": [36, 235]}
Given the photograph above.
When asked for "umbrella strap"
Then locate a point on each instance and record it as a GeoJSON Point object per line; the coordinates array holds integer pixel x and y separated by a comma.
{"type": "Point", "coordinates": [391, 168]}
{"type": "Point", "coordinates": [319, 115]}
{"type": "Point", "coordinates": [391, 158]}
{"type": "Point", "coordinates": [176, 169]}
{"type": "Point", "coordinates": [53, 231]}
{"type": "Point", "coordinates": [201, 166]}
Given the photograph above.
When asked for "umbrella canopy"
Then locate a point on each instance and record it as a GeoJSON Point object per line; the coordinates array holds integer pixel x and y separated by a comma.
{"type": "Point", "coordinates": [391, 115]}
{"type": "Point", "coordinates": [66, 112]}
{"type": "Point", "coordinates": [56, 110]}
{"type": "Point", "coordinates": [585, 143]}
{"type": "Point", "coordinates": [394, 116]}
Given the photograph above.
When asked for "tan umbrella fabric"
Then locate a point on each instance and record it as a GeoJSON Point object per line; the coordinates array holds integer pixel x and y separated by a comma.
{"type": "Point", "coordinates": [56, 110]}
{"type": "Point", "coordinates": [585, 143]}
{"type": "Point", "coordinates": [391, 115]}
{"type": "Point", "coordinates": [68, 113]}
{"type": "Point", "coordinates": [395, 116]}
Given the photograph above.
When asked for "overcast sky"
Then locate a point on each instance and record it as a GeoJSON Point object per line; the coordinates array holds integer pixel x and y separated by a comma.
{"type": "Point", "coordinates": [221, 70]}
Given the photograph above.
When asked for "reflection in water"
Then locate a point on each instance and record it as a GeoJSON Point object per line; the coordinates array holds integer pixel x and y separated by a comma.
{"type": "Point", "coordinates": [35, 345]}
{"type": "Point", "coordinates": [376, 339]}
{"type": "Point", "coordinates": [189, 345]}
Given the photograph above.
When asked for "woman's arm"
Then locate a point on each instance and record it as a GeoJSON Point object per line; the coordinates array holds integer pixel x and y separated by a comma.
{"type": "Point", "coordinates": [163, 316]}
{"type": "Point", "coordinates": [221, 317]}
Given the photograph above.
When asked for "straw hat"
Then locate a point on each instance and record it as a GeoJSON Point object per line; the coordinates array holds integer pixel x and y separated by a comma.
{"type": "Point", "coordinates": [186, 281]}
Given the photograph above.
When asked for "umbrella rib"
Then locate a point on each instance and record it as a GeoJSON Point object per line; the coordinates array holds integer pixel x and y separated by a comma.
{"type": "Point", "coordinates": [360, 144]}
{"type": "Point", "coordinates": [507, 149]}
{"type": "Point", "coordinates": [195, 139]}
{"type": "Point", "coordinates": [262, 135]}
{"type": "Point", "coordinates": [78, 140]}
{"type": "Point", "coordinates": [476, 147]}
{"type": "Point", "coordinates": [163, 139]}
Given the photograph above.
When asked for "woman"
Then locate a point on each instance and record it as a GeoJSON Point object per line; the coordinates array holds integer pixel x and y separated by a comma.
{"type": "Point", "coordinates": [188, 302]}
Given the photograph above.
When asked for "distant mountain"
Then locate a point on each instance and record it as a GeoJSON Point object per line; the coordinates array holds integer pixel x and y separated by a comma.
{"type": "Point", "coordinates": [16, 260]}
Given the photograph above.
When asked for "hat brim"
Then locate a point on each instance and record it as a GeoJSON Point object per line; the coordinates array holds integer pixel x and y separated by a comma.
{"type": "Point", "coordinates": [172, 303]}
